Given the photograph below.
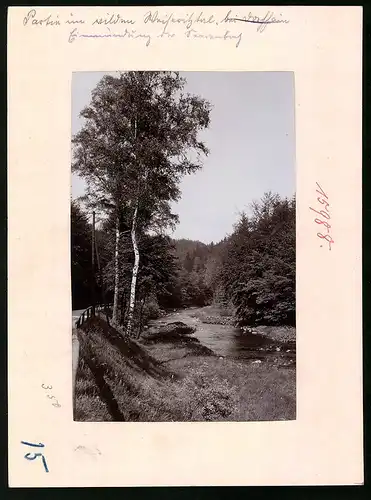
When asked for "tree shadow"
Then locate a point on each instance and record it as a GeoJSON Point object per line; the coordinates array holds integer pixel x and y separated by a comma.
{"type": "Point", "coordinates": [128, 348]}
{"type": "Point", "coordinates": [105, 391]}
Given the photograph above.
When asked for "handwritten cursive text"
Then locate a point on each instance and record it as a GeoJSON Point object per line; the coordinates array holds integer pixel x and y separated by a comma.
{"type": "Point", "coordinates": [170, 19]}
{"type": "Point", "coordinates": [46, 21]}
{"type": "Point", "coordinates": [112, 19]}
{"type": "Point", "coordinates": [108, 34]}
{"type": "Point", "coordinates": [192, 33]}
{"type": "Point", "coordinates": [261, 22]}
{"type": "Point", "coordinates": [152, 25]}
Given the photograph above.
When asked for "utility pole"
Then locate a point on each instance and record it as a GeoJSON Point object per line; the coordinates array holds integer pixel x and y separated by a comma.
{"type": "Point", "coordinates": [102, 295]}
{"type": "Point", "coordinates": [98, 262]}
{"type": "Point", "coordinates": [93, 263]}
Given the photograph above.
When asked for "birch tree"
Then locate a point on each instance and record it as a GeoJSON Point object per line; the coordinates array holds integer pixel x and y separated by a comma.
{"type": "Point", "coordinates": [101, 156]}
{"type": "Point", "coordinates": [139, 138]}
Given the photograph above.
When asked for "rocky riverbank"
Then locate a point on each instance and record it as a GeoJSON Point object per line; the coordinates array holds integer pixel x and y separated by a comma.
{"type": "Point", "coordinates": [214, 315]}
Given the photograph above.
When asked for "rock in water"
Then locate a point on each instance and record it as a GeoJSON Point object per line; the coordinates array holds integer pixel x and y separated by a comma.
{"type": "Point", "coordinates": [177, 327]}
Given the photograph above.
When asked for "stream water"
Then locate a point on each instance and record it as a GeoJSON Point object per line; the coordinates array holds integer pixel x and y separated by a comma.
{"type": "Point", "coordinates": [228, 341]}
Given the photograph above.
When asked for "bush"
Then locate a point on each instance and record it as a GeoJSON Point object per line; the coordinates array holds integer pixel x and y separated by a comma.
{"type": "Point", "coordinates": [151, 310]}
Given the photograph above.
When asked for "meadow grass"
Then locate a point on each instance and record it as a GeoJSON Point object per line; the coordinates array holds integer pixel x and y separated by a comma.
{"type": "Point", "coordinates": [119, 379]}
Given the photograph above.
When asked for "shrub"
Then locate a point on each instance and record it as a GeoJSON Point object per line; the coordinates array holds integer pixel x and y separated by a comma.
{"type": "Point", "coordinates": [151, 310]}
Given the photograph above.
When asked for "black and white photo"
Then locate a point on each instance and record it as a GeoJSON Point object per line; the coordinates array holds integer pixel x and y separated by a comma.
{"type": "Point", "coordinates": [183, 246]}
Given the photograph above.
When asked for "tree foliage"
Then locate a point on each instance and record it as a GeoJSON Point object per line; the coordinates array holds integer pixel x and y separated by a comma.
{"type": "Point", "coordinates": [258, 271]}
{"type": "Point", "coordinates": [253, 269]}
{"type": "Point", "coordinates": [80, 258]}
{"type": "Point", "coordinates": [139, 138]}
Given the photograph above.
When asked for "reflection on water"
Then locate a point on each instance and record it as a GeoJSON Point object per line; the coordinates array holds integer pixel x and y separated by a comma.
{"type": "Point", "coordinates": [232, 342]}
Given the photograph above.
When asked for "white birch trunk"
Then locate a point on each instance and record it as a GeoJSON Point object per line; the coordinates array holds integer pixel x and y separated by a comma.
{"type": "Point", "coordinates": [116, 270]}
{"type": "Point", "coordinates": [135, 272]}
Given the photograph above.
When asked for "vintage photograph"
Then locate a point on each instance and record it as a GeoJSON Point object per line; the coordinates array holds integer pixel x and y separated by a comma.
{"type": "Point", "coordinates": [183, 246]}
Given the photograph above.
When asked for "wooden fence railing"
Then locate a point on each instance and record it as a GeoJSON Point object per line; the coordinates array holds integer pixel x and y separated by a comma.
{"type": "Point", "coordinates": [91, 311]}
{"type": "Point", "coordinates": [88, 313]}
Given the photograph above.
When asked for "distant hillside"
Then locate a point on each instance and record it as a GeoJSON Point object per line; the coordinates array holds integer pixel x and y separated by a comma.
{"type": "Point", "coordinates": [199, 265]}
{"type": "Point", "coordinates": [194, 253]}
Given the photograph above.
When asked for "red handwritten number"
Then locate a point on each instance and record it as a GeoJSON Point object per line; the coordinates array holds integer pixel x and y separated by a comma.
{"type": "Point", "coordinates": [326, 237]}
{"type": "Point", "coordinates": [323, 202]}
{"type": "Point", "coordinates": [326, 224]}
{"type": "Point", "coordinates": [324, 215]}
{"type": "Point", "coordinates": [322, 191]}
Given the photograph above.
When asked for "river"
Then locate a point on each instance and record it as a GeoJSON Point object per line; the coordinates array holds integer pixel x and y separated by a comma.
{"type": "Point", "coordinates": [231, 342]}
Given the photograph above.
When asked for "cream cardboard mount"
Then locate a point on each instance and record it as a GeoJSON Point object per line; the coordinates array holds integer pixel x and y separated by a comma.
{"type": "Point", "coordinates": [322, 46]}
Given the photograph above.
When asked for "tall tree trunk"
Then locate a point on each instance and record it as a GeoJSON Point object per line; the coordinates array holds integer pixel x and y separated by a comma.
{"type": "Point", "coordinates": [135, 271]}
{"type": "Point", "coordinates": [115, 313]}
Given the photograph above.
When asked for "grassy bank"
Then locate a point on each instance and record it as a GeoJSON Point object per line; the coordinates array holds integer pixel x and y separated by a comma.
{"type": "Point", "coordinates": [173, 378]}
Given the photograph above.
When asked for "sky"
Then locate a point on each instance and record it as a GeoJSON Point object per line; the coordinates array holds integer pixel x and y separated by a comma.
{"type": "Point", "coordinates": [251, 140]}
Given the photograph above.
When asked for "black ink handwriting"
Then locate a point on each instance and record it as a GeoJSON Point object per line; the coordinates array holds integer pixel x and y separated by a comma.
{"type": "Point", "coordinates": [112, 19]}
{"type": "Point", "coordinates": [262, 22]}
{"type": "Point", "coordinates": [188, 20]}
{"type": "Point", "coordinates": [226, 36]}
{"type": "Point", "coordinates": [47, 21]}
{"type": "Point", "coordinates": [126, 34]}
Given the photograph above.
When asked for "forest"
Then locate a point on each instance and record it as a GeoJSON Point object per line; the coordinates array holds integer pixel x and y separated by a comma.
{"type": "Point", "coordinates": [139, 138]}
{"type": "Point", "coordinates": [251, 271]}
